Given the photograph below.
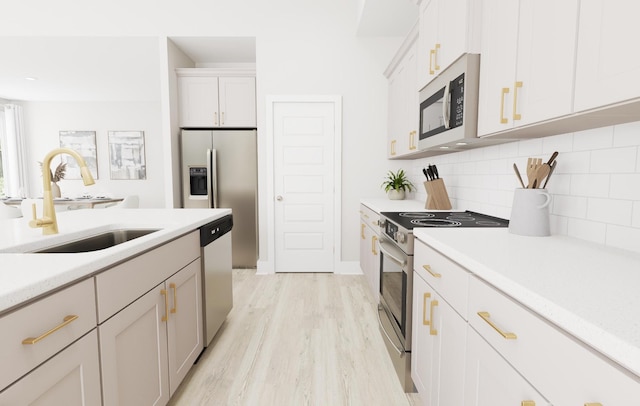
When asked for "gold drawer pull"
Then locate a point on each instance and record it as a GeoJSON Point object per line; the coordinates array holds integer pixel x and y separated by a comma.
{"type": "Point", "coordinates": [362, 226]}
{"type": "Point", "coordinates": [374, 239]}
{"type": "Point", "coordinates": [65, 321]}
{"type": "Point", "coordinates": [428, 269]}
{"type": "Point", "coordinates": [593, 404]}
{"type": "Point", "coordinates": [508, 336]}
{"type": "Point", "coordinates": [163, 292]}
{"type": "Point", "coordinates": [175, 297]}
{"type": "Point", "coordinates": [503, 120]}
{"type": "Point", "coordinates": [528, 403]}
{"type": "Point", "coordinates": [432, 331]}
{"type": "Point", "coordinates": [516, 86]}
{"type": "Point", "coordinates": [426, 296]}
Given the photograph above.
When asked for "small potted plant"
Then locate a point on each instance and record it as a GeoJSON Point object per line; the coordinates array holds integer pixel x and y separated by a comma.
{"type": "Point", "coordinates": [396, 184]}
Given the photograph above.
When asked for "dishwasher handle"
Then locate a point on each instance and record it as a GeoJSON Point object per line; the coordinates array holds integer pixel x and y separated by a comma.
{"type": "Point", "coordinates": [216, 229]}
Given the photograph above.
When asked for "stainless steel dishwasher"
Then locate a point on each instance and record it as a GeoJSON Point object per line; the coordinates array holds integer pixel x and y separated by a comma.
{"type": "Point", "coordinates": [217, 289]}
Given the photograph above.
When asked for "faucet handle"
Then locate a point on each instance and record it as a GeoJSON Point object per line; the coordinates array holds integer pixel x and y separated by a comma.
{"type": "Point", "coordinates": [33, 211]}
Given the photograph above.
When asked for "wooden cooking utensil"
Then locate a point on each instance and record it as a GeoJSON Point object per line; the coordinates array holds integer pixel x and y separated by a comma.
{"type": "Point", "coordinates": [515, 168]}
{"type": "Point", "coordinates": [532, 167]}
{"type": "Point", "coordinates": [541, 173]}
{"type": "Point", "coordinates": [553, 166]}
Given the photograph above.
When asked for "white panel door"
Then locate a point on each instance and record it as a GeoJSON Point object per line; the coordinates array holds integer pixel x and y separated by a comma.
{"type": "Point", "coordinates": [303, 137]}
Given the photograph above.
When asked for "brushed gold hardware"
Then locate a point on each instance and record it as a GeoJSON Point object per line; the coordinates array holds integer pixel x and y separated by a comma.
{"type": "Point", "coordinates": [592, 404]}
{"type": "Point", "coordinates": [503, 119]}
{"type": "Point", "coordinates": [428, 269]}
{"type": "Point", "coordinates": [432, 331]}
{"type": "Point", "coordinates": [65, 321]}
{"type": "Point", "coordinates": [432, 53]}
{"type": "Point", "coordinates": [506, 335]}
{"type": "Point", "coordinates": [412, 140]}
{"type": "Point", "coordinates": [373, 245]}
{"type": "Point", "coordinates": [175, 297]}
{"type": "Point", "coordinates": [215, 118]}
{"type": "Point", "coordinates": [222, 118]}
{"type": "Point", "coordinates": [426, 296]}
{"type": "Point", "coordinates": [163, 292]}
{"type": "Point", "coordinates": [516, 86]}
{"type": "Point", "coordinates": [528, 403]}
{"type": "Point", "coordinates": [436, 57]}
{"type": "Point", "coordinates": [362, 226]}
{"type": "Point", "coordinates": [393, 147]}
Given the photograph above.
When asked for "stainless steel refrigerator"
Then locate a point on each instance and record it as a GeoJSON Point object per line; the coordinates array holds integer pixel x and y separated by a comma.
{"type": "Point", "coordinates": [219, 170]}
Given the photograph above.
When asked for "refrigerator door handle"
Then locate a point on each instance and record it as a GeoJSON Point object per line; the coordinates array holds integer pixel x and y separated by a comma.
{"type": "Point", "coordinates": [212, 174]}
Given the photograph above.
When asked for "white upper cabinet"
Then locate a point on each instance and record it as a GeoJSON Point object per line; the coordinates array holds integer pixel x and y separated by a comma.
{"type": "Point", "coordinates": [402, 131]}
{"type": "Point", "coordinates": [608, 64]}
{"type": "Point", "coordinates": [207, 100]}
{"type": "Point", "coordinates": [527, 62]}
{"type": "Point", "coordinates": [448, 29]}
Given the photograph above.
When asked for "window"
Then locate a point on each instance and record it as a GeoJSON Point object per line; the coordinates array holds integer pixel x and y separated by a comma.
{"type": "Point", "coordinates": [12, 169]}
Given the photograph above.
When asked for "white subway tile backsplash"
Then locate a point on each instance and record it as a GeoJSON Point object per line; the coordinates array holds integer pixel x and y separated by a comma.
{"type": "Point", "coordinates": [593, 185]}
{"type": "Point", "coordinates": [610, 211]}
{"type": "Point", "coordinates": [586, 230]}
{"type": "Point", "coordinates": [623, 237]}
{"type": "Point", "coordinates": [625, 186]}
{"type": "Point", "coordinates": [614, 160]}
{"type": "Point", "coordinates": [626, 134]}
{"type": "Point", "coordinates": [597, 138]}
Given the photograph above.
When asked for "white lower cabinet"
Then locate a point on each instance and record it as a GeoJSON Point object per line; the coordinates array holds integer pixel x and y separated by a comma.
{"type": "Point", "coordinates": [71, 378]}
{"type": "Point", "coordinates": [149, 346]}
{"type": "Point", "coordinates": [369, 258]}
{"type": "Point", "coordinates": [491, 381]}
{"type": "Point", "coordinates": [438, 347]}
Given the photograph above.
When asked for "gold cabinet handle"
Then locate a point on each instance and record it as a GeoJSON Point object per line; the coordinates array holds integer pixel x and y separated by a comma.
{"type": "Point", "coordinates": [506, 335]}
{"type": "Point", "coordinates": [222, 118]}
{"type": "Point", "coordinates": [362, 226]}
{"type": "Point", "coordinates": [163, 292]}
{"type": "Point", "coordinates": [428, 269]}
{"type": "Point", "coordinates": [215, 118]}
{"type": "Point", "coordinates": [503, 119]}
{"type": "Point", "coordinates": [393, 147]}
{"type": "Point", "coordinates": [412, 140]}
{"type": "Point", "coordinates": [516, 86]}
{"type": "Point", "coordinates": [527, 403]}
{"type": "Point", "coordinates": [432, 330]}
{"type": "Point", "coordinates": [426, 296]}
{"type": "Point", "coordinates": [373, 245]}
{"type": "Point", "coordinates": [175, 297]}
{"type": "Point", "coordinates": [68, 319]}
{"type": "Point", "coordinates": [432, 53]}
{"type": "Point", "coordinates": [592, 404]}
{"type": "Point", "coordinates": [435, 52]}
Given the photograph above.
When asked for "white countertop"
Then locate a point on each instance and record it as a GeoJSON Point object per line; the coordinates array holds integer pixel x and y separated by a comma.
{"type": "Point", "coordinates": [25, 276]}
{"type": "Point", "coordinates": [589, 290]}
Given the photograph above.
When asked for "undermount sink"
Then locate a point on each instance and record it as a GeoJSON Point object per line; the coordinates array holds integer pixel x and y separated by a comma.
{"type": "Point", "coordinates": [98, 242]}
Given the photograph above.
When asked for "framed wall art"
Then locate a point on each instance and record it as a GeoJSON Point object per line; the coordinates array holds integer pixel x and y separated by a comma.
{"type": "Point", "coordinates": [84, 142]}
{"type": "Point", "coordinates": [126, 155]}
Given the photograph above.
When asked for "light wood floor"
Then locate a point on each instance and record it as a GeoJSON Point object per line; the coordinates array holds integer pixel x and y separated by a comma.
{"type": "Point", "coordinates": [296, 339]}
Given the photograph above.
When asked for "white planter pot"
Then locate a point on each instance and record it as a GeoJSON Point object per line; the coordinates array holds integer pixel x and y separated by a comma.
{"type": "Point", "coordinates": [396, 194]}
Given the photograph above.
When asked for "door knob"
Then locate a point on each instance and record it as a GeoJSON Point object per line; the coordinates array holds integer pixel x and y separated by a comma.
{"type": "Point", "coordinates": [279, 198]}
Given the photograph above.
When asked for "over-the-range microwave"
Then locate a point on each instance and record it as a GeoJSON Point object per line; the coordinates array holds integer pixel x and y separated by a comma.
{"type": "Point", "coordinates": [449, 106]}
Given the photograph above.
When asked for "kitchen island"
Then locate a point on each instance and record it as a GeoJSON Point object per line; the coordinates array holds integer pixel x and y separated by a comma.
{"type": "Point", "coordinates": [118, 325]}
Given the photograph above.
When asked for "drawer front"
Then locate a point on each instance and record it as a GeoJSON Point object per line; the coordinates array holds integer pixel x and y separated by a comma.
{"type": "Point", "coordinates": [370, 217]}
{"type": "Point", "coordinates": [124, 283]}
{"type": "Point", "coordinates": [446, 277]}
{"type": "Point", "coordinates": [545, 355]}
{"type": "Point", "coordinates": [35, 320]}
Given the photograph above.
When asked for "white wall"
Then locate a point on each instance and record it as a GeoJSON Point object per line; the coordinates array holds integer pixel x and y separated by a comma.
{"type": "Point", "coordinates": [44, 121]}
{"type": "Point", "coordinates": [302, 48]}
{"type": "Point", "coordinates": [595, 187]}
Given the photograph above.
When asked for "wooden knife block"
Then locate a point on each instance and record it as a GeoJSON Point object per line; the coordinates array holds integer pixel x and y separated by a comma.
{"type": "Point", "coordinates": [437, 196]}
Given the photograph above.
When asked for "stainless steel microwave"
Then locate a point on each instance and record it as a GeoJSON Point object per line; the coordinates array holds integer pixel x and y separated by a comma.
{"type": "Point", "coordinates": [449, 106]}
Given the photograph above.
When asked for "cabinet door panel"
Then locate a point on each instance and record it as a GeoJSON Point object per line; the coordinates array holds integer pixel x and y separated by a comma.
{"type": "Point", "coordinates": [184, 327]}
{"type": "Point", "coordinates": [422, 344]}
{"type": "Point", "coordinates": [491, 381]}
{"type": "Point", "coordinates": [133, 348]}
{"type": "Point", "coordinates": [237, 97]}
{"type": "Point", "coordinates": [198, 106]}
{"type": "Point", "coordinates": [71, 378]}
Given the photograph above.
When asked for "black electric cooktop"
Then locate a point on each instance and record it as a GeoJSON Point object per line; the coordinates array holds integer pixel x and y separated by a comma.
{"type": "Point", "coordinates": [409, 220]}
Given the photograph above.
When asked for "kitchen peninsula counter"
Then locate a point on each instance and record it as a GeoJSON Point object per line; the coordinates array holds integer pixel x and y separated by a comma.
{"type": "Point", "coordinates": [585, 289]}
{"type": "Point", "coordinates": [25, 276]}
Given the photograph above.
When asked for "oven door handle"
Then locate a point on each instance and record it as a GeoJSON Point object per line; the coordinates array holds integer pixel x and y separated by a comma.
{"type": "Point", "coordinates": [386, 334]}
{"type": "Point", "coordinates": [400, 262]}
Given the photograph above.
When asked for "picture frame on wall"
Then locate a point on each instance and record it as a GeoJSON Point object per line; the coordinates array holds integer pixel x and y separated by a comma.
{"type": "Point", "coordinates": [127, 155]}
{"type": "Point", "coordinates": [83, 142]}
